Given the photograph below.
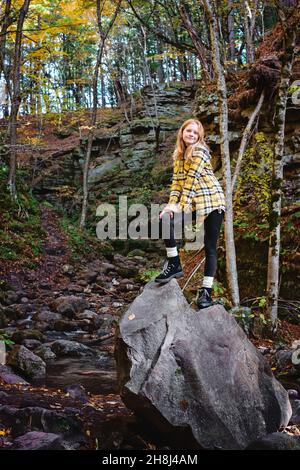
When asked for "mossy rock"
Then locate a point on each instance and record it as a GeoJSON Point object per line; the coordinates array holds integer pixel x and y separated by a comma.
{"type": "Point", "coordinates": [19, 336]}
{"type": "Point", "coordinates": [136, 252]}
{"type": "Point", "coordinates": [128, 272]}
{"type": "Point", "coordinates": [107, 250]}
{"type": "Point", "coordinates": [63, 133]}
{"type": "Point", "coordinates": [4, 286]}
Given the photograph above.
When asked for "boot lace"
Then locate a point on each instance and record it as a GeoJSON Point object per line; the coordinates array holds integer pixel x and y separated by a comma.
{"type": "Point", "coordinates": [167, 267]}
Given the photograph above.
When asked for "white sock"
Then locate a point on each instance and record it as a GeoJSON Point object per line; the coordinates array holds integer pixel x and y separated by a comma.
{"type": "Point", "coordinates": [172, 252]}
{"type": "Point", "coordinates": [207, 281]}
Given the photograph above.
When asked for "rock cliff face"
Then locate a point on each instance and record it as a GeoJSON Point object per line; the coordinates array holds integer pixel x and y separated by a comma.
{"type": "Point", "coordinates": [124, 155]}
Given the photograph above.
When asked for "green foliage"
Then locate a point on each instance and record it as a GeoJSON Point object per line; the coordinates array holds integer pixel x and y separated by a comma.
{"type": "Point", "coordinates": [147, 276]}
{"type": "Point", "coordinates": [254, 181]}
{"type": "Point", "coordinates": [21, 235]}
{"type": "Point", "coordinates": [218, 289]}
{"type": "Point", "coordinates": [5, 339]}
{"type": "Point", "coordinates": [252, 198]}
{"type": "Point", "coordinates": [244, 319]}
{"type": "Point", "coordinates": [79, 240]}
{"type": "Point", "coordinates": [47, 204]}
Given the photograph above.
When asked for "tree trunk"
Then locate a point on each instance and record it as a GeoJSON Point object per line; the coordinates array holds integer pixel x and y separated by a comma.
{"type": "Point", "coordinates": [231, 35]}
{"type": "Point", "coordinates": [275, 209]}
{"type": "Point", "coordinates": [160, 68]}
{"type": "Point", "coordinates": [16, 100]}
{"type": "Point", "coordinates": [103, 91]}
{"type": "Point", "coordinates": [245, 139]}
{"type": "Point", "coordinates": [103, 35]}
{"type": "Point", "coordinates": [225, 154]}
{"type": "Point", "coordinates": [6, 20]}
{"type": "Point", "coordinates": [201, 51]}
{"type": "Point", "coordinates": [249, 23]}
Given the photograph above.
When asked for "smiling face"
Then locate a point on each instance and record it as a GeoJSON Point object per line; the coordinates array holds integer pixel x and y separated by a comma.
{"type": "Point", "coordinates": [190, 134]}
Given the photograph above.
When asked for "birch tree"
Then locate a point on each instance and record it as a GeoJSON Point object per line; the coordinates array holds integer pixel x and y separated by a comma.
{"type": "Point", "coordinates": [277, 178]}
{"type": "Point", "coordinates": [231, 268]}
{"type": "Point", "coordinates": [249, 23]}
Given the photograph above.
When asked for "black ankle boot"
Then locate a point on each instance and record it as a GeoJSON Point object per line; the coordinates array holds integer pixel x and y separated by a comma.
{"type": "Point", "coordinates": [172, 269]}
{"type": "Point", "coordinates": [203, 299]}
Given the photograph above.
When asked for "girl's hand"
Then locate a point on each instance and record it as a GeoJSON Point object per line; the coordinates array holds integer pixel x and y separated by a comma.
{"type": "Point", "coordinates": [170, 209]}
{"type": "Point", "coordinates": [166, 211]}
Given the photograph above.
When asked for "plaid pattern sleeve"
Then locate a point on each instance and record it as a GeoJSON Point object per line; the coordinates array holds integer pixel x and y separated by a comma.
{"type": "Point", "coordinates": [198, 160]}
{"type": "Point", "coordinates": [176, 186]}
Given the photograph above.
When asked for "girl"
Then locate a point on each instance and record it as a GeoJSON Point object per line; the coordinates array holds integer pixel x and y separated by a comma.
{"type": "Point", "coordinates": [194, 189]}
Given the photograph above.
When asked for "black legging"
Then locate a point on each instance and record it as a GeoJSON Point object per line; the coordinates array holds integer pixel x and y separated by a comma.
{"type": "Point", "coordinates": [212, 227]}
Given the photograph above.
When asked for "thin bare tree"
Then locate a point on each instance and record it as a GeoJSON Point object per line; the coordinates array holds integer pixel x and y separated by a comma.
{"type": "Point", "coordinates": [287, 60]}
{"type": "Point", "coordinates": [231, 268]}
{"type": "Point", "coordinates": [16, 98]}
{"type": "Point", "coordinates": [245, 139]}
{"type": "Point", "coordinates": [103, 34]}
{"type": "Point", "coordinates": [249, 23]}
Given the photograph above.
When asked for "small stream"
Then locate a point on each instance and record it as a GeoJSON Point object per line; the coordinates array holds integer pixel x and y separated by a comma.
{"type": "Point", "coordinates": [97, 374]}
{"type": "Point", "coordinates": [97, 377]}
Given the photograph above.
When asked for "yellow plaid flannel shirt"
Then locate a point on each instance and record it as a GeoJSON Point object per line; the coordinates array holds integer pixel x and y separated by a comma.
{"type": "Point", "coordinates": [194, 185]}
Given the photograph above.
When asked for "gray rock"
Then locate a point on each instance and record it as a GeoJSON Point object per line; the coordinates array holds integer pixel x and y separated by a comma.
{"type": "Point", "coordinates": [31, 343]}
{"type": "Point", "coordinates": [96, 174]}
{"type": "Point", "coordinates": [71, 348]}
{"type": "Point", "coordinates": [295, 419]}
{"type": "Point", "coordinates": [24, 360]}
{"type": "Point", "coordinates": [47, 316]}
{"type": "Point", "coordinates": [65, 325]}
{"type": "Point", "coordinates": [195, 375]}
{"type": "Point", "coordinates": [9, 377]}
{"type": "Point", "coordinates": [38, 441]}
{"type": "Point", "coordinates": [77, 392]}
{"type": "Point", "coordinates": [19, 336]}
{"type": "Point", "coordinates": [68, 270]}
{"type": "Point", "coordinates": [276, 441]}
{"type": "Point", "coordinates": [21, 419]}
{"type": "Point", "coordinates": [45, 352]}
{"type": "Point", "coordinates": [70, 305]}
{"type": "Point", "coordinates": [87, 314]}
{"type": "Point", "coordinates": [293, 393]}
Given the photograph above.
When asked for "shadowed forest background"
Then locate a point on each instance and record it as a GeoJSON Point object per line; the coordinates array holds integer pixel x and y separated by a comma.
{"type": "Point", "coordinates": [92, 94]}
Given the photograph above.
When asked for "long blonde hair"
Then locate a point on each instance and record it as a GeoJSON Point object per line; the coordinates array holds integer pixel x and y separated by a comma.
{"type": "Point", "coordinates": [180, 148]}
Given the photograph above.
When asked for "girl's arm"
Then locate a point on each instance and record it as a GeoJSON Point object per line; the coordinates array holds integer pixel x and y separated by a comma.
{"type": "Point", "coordinates": [199, 157]}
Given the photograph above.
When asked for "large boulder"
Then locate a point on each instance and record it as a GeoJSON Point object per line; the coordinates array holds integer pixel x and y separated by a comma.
{"type": "Point", "coordinates": [194, 374]}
